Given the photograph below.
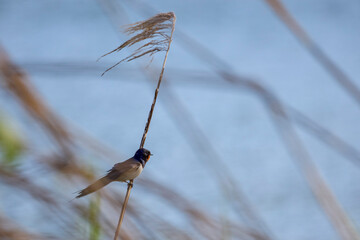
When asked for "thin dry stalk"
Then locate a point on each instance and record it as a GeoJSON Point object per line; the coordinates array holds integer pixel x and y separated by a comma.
{"type": "Point", "coordinates": [123, 209]}
{"type": "Point", "coordinates": [199, 140]}
{"type": "Point", "coordinates": [350, 87]}
{"type": "Point", "coordinates": [324, 195]}
{"type": "Point", "coordinates": [325, 135]}
{"type": "Point", "coordinates": [159, 82]}
{"type": "Point", "coordinates": [154, 32]}
{"type": "Point", "coordinates": [10, 230]}
{"type": "Point", "coordinates": [17, 83]}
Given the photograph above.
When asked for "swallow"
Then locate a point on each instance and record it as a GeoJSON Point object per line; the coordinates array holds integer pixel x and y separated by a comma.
{"type": "Point", "coordinates": [121, 172]}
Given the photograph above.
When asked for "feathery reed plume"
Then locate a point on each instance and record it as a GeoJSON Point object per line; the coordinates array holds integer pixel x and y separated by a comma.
{"type": "Point", "coordinates": [152, 33]}
{"type": "Point", "coordinates": [154, 36]}
{"type": "Point", "coordinates": [169, 39]}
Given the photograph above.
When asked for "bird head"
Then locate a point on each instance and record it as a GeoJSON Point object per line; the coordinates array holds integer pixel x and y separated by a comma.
{"type": "Point", "coordinates": [143, 154]}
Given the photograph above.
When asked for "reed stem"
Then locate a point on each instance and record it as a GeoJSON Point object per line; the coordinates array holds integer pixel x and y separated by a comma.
{"type": "Point", "coordinates": [130, 184]}
{"type": "Point", "coordinates": [158, 86]}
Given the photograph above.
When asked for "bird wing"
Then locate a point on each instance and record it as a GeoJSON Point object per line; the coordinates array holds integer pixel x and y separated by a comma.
{"type": "Point", "coordinates": [121, 168]}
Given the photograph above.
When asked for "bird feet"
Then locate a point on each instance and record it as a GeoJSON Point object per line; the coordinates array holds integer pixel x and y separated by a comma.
{"type": "Point", "coordinates": [130, 183]}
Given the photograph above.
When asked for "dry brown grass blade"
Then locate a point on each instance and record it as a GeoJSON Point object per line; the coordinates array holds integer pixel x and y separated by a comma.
{"type": "Point", "coordinates": [339, 75]}
{"type": "Point", "coordinates": [207, 153]}
{"type": "Point", "coordinates": [168, 230]}
{"type": "Point", "coordinates": [326, 136]}
{"type": "Point", "coordinates": [10, 230]}
{"type": "Point", "coordinates": [327, 200]}
{"type": "Point", "coordinates": [16, 180]}
{"type": "Point", "coordinates": [206, 226]}
{"type": "Point", "coordinates": [203, 223]}
{"type": "Point", "coordinates": [47, 197]}
{"type": "Point", "coordinates": [17, 83]}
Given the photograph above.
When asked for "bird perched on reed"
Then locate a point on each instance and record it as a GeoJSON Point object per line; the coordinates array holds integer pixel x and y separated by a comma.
{"type": "Point", "coordinates": [121, 172]}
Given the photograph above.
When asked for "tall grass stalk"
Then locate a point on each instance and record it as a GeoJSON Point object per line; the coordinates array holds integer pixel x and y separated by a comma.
{"type": "Point", "coordinates": [154, 33]}
{"type": "Point", "coordinates": [129, 187]}
{"type": "Point", "coordinates": [158, 85]}
{"type": "Point", "coordinates": [334, 70]}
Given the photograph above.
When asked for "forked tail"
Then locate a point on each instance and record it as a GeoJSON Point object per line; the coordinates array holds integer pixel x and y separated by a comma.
{"type": "Point", "coordinates": [94, 187]}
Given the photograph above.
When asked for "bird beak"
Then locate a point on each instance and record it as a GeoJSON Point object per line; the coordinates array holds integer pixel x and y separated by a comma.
{"type": "Point", "coordinates": [151, 154]}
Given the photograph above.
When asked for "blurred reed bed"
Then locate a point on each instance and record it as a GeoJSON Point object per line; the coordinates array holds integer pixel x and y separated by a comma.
{"type": "Point", "coordinates": [206, 153]}
{"type": "Point", "coordinates": [329, 65]}
{"type": "Point", "coordinates": [78, 219]}
{"type": "Point", "coordinates": [10, 230]}
{"type": "Point", "coordinates": [94, 219]}
{"type": "Point", "coordinates": [293, 143]}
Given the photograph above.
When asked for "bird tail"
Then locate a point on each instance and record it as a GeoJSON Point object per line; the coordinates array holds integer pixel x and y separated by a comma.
{"type": "Point", "coordinates": [102, 182]}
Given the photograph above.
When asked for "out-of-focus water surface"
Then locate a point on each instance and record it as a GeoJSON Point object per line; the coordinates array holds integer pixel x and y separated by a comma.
{"type": "Point", "coordinates": [252, 39]}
